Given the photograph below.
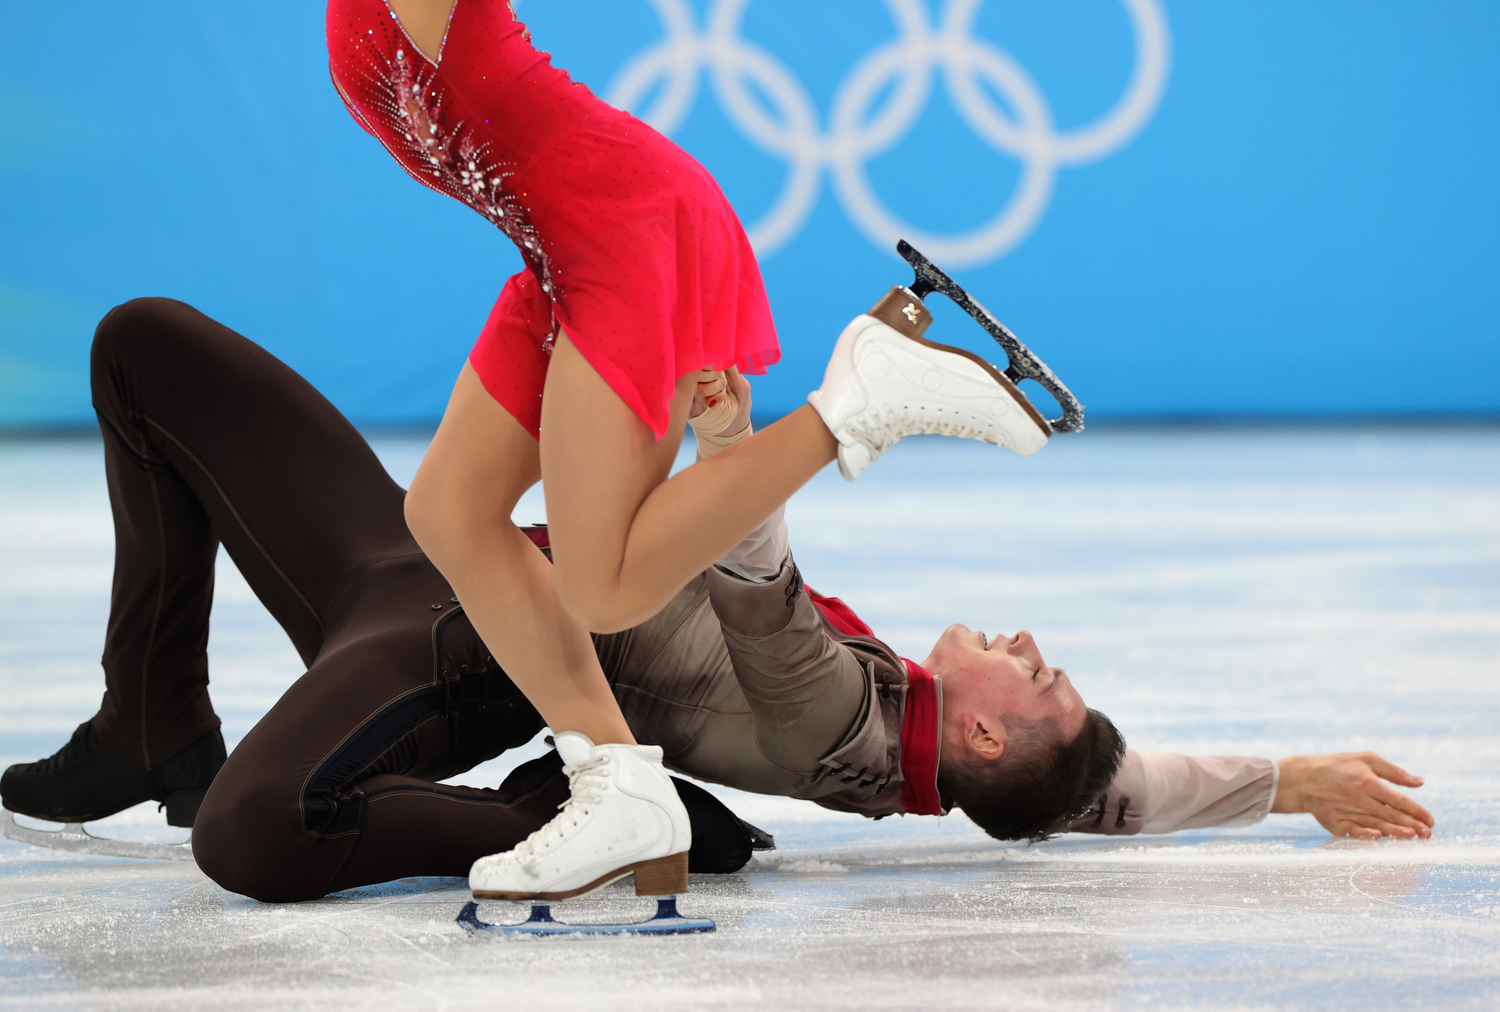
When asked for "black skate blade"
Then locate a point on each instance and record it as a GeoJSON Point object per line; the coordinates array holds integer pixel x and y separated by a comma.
{"type": "Point", "coordinates": [74, 838]}
{"type": "Point", "coordinates": [666, 922]}
{"type": "Point", "coordinates": [1023, 364]}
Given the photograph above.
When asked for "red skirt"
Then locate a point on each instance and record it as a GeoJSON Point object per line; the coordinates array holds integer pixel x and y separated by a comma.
{"type": "Point", "coordinates": [630, 246]}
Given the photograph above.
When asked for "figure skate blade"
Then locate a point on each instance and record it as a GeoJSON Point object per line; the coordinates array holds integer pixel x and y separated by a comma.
{"type": "Point", "coordinates": [1023, 363]}
{"type": "Point", "coordinates": [666, 922]}
{"type": "Point", "coordinates": [78, 840]}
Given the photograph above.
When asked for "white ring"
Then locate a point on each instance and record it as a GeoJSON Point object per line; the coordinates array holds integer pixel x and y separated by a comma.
{"type": "Point", "coordinates": [790, 131]}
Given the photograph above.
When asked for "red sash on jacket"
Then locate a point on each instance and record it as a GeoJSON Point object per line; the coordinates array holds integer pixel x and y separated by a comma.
{"type": "Point", "coordinates": [922, 725]}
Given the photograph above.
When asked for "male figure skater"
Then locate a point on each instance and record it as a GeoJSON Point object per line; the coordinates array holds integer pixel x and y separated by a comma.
{"type": "Point", "coordinates": [746, 678]}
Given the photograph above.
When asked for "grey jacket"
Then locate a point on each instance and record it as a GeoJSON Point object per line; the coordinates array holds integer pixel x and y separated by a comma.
{"type": "Point", "coordinates": [753, 685]}
{"type": "Point", "coordinates": [748, 685]}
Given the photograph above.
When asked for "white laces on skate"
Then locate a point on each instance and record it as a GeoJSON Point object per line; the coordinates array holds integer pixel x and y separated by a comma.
{"type": "Point", "coordinates": [585, 786]}
{"type": "Point", "coordinates": [881, 428]}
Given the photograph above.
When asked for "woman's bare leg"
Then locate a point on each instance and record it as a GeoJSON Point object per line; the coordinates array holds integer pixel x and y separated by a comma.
{"type": "Point", "coordinates": [458, 508]}
{"type": "Point", "coordinates": [624, 537]}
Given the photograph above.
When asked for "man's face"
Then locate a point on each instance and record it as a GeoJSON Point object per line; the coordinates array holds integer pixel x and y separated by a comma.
{"type": "Point", "coordinates": [1003, 675]}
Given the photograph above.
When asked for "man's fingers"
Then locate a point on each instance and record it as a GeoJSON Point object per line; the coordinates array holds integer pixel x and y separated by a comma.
{"type": "Point", "coordinates": [1390, 771]}
{"type": "Point", "coordinates": [1395, 799]}
{"type": "Point", "coordinates": [1382, 814]}
{"type": "Point", "coordinates": [1357, 826]}
{"type": "Point", "coordinates": [1398, 832]}
{"type": "Point", "coordinates": [1375, 832]}
{"type": "Point", "coordinates": [1368, 826]}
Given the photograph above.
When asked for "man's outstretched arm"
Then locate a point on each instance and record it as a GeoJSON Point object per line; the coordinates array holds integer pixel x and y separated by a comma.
{"type": "Point", "coordinates": [1349, 794]}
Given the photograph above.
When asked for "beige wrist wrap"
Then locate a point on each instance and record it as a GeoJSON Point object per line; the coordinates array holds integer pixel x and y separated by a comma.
{"type": "Point", "coordinates": [713, 419]}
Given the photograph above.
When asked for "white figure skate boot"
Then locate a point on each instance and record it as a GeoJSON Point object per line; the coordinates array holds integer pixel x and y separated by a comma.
{"type": "Point", "coordinates": [885, 381]}
{"type": "Point", "coordinates": [624, 816]}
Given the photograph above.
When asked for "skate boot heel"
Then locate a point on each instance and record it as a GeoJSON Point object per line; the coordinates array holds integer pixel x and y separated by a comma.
{"type": "Point", "coordinates": [663, 876]}
{"type": "Point", "coordinates": [902, 311]}
{"type": "Point", "coordinates": [182, 807]}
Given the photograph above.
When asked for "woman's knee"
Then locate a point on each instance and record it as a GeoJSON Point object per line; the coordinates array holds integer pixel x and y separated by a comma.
{"type": "Point", "coordinates": [479, 465]}
{"type": "Point", "coordinates": [424, 514]}
{"type": "Point", "coordinates": [441, 516]}
{"type": "Point", "coordinates": [596, 602]}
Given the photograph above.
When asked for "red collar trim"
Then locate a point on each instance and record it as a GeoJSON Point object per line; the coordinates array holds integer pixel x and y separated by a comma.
{"type": "Point", "coordinates": [921, 726]}
{"type": "Point", "coordinates": [921, 740]}
{"type": "Point", "coordinates": [839, 614]}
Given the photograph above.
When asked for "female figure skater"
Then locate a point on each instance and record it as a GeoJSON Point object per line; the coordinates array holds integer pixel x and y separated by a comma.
{"type": "Point", "coordinates": [638, 276]}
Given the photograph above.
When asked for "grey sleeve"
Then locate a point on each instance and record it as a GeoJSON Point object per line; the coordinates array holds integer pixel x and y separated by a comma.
{"type": "Point", "coordinates": [762, 554]}
{"type": "Point", "coordinates": [806, 692]}
{"type": "Point", "coordinates": [1163, 792]}
{"type": "Point", "coordinates": [763, 551]}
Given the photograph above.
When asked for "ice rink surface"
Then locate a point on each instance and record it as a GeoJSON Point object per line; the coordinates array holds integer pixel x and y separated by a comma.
{"type": "Point", "coordinates": [1266, 592]}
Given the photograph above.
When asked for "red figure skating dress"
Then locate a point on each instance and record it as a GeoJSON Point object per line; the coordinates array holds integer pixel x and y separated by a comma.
{"type": "Point", "coordinates": [630, 246]}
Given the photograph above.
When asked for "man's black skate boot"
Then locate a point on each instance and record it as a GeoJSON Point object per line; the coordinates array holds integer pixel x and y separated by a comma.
{"type": "Point", "coordinates": [85, 780]}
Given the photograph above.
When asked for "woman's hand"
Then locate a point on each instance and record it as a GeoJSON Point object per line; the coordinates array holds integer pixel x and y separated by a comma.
{"type": "Point", "coordinates": [711, 387]}
{"type": "Point", "coordinates": [1347, 793]}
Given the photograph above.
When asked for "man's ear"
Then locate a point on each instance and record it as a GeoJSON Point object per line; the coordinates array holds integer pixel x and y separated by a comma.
{"type": "Point", "coordinates": [986, 740]}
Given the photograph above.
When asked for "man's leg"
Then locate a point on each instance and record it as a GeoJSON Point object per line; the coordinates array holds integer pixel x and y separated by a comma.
{"type": "Point", "coordinates": [336, 786]}
{"type": "Point", "coordinates": [206, 437]}
{"type": "Point", "coordinates": [209, 437]}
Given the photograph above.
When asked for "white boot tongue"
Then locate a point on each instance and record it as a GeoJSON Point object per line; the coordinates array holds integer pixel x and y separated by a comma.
{"type": "Point", "coordinates": [573, 747]}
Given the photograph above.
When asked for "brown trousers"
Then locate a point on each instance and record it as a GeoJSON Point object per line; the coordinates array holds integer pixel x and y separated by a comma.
{"type": "Point", "coordinates": [209, 438]}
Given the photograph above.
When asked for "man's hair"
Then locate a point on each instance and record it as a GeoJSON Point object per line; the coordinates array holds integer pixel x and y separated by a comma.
{"type": "Point", "coordinates": [1042, 783]}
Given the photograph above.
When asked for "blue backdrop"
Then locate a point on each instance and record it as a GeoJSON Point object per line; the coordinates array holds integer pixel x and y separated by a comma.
{"type": "Point", "coordinates": [1248, 206]}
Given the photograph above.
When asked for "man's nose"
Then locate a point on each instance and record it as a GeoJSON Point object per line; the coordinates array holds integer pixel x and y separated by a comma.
{"type": "Point", "coordinates": [1025, 646]}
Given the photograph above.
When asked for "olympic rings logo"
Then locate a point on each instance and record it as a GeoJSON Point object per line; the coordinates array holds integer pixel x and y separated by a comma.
{"type": "Point", "coordinates": [858, 131]}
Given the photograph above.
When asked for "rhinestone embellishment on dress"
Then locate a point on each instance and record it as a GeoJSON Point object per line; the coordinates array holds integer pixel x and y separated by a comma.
{"type": "Point", "coordinates": [406, 99]}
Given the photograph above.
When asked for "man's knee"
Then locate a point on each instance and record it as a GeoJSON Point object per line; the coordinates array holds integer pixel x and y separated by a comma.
{"type": "Point", "coordinates": [130, 327]}
{"type": "Point", "coordinates": [140, 346]}
{"type": "Point", "coordinates": [246, 839]}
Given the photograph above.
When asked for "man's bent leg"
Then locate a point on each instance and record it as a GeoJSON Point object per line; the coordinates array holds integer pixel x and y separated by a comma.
{"type": "Point", "coordinates": [210, 437]}
{"type": "Point", "coordinates": [336, 786]}
{"type": "Point", "coordinates": [414, 827]}
{"type": "Point", "coordinates": [156, 644]}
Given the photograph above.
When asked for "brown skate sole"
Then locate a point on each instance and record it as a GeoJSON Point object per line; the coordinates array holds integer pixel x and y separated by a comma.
{"type": "Point", "coordinates": [904, 313]}
{"type": "Point", "coordinates": [662, 876]}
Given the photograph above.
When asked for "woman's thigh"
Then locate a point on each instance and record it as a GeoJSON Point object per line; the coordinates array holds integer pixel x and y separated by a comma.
{"type": "Point", "coordinates": [480, 462]}
{"type": "Point", "coordinates": [599, 463]}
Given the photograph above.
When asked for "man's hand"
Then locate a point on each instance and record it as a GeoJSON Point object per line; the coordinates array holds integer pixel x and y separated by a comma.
{"type": "Point", "coordinates": [1348, 794]}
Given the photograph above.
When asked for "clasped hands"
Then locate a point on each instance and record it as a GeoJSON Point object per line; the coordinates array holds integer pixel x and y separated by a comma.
{"type": "Point", "coordinates": [714, 414]}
